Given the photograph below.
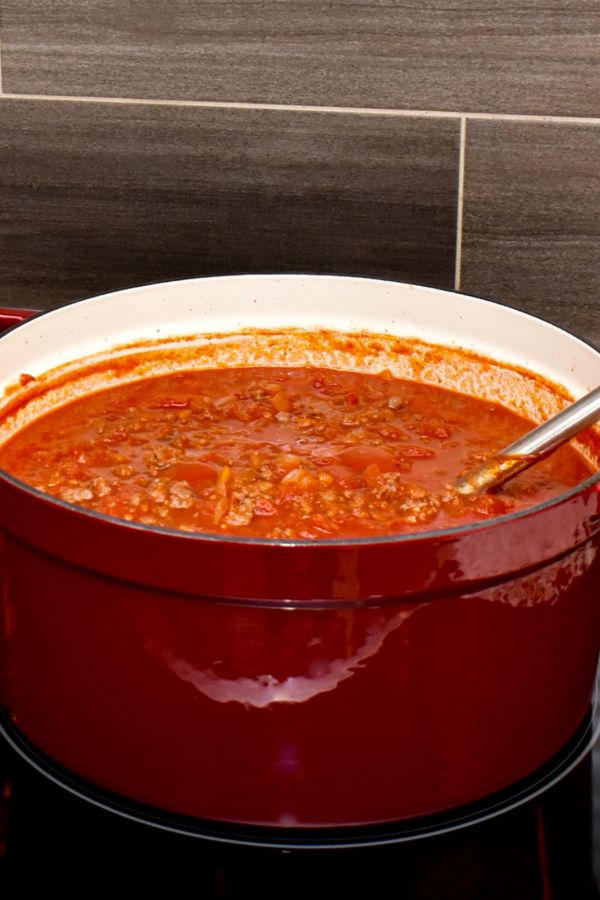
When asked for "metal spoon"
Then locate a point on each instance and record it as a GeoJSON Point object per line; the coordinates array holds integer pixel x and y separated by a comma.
{"type": "Point", "coordinates": [532, 447]}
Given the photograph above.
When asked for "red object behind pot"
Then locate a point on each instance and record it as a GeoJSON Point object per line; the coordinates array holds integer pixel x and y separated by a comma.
{"type": "Point", "coordinates": [323, 684]}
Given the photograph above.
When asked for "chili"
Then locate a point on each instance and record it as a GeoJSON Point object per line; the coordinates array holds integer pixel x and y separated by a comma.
{"type": "Point", "coordinates": [280, 453]}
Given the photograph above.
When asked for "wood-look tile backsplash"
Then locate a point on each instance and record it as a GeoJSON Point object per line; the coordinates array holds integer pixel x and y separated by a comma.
{"type": "Point", "coordinates": [450, 145]}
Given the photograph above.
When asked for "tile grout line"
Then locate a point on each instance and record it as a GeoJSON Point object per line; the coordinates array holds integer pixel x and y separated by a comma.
{"type": "Point", "coordinates": [460, 203]}
{"type": "Point", "coordinates": [289, 107]}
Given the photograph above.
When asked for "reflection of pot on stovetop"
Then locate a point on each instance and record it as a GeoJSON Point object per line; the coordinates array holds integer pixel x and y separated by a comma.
{"type": "Point", "coordinates": [302, 683]}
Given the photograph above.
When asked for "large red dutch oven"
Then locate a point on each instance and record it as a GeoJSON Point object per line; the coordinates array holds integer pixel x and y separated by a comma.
{"type": "Point", "coordinates": [340, 682]}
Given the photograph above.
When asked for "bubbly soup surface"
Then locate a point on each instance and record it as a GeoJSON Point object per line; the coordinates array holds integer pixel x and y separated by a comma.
{"type": "Point", "coordinates": [281, 453]}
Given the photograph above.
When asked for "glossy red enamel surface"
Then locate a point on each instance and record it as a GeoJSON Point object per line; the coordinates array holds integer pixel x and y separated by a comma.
{"type": "Point", "coordinates": [298, 716]}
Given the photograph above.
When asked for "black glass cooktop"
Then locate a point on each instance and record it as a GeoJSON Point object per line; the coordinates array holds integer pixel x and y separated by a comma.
{"type": "Point", "coordinates": [542, 849]}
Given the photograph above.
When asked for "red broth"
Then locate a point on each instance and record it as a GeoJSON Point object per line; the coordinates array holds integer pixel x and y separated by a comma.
{"type": "Point", "coordinates": [281, 453]}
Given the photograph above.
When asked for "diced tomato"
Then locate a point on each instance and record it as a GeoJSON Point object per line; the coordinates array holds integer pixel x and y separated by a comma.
{"type": "Point", "coordinates": [372, 475]}
{"type": "Point", "coordinates": [345, 477]}
{"type": "Point", "coordinates": [197, 474]}
{"type": "Point", "coordinates": [298, 480]}
{"type": "Point", "coordinates": [360, 456]}
{"type": "Point", "coordinates": [286, 462]}
{"type": "Point", "coordinates": [281, 401]}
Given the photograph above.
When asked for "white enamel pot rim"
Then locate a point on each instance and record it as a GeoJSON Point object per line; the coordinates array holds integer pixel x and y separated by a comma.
{"type": "Point", "coordinates": [228, 303]}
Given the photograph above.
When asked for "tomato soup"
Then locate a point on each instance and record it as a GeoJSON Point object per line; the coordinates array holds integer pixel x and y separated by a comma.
{"type": "Point", "coordinates": [283, 453]}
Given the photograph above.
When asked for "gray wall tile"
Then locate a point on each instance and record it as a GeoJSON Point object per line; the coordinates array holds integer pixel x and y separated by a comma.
{"type": "Point", "coordinates": [499, 56]}
{"type": "Point", "coordinates": [532, 220]}
{"type": "Point", "coordinates": [102, 196]}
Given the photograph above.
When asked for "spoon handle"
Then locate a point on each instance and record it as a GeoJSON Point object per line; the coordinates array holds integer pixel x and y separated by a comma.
{"type": "Point", "coordinates": [533, 446]}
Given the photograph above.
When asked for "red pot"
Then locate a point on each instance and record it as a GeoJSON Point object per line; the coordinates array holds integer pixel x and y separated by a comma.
{"type": "Point", "coordinates": [299, 683]}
